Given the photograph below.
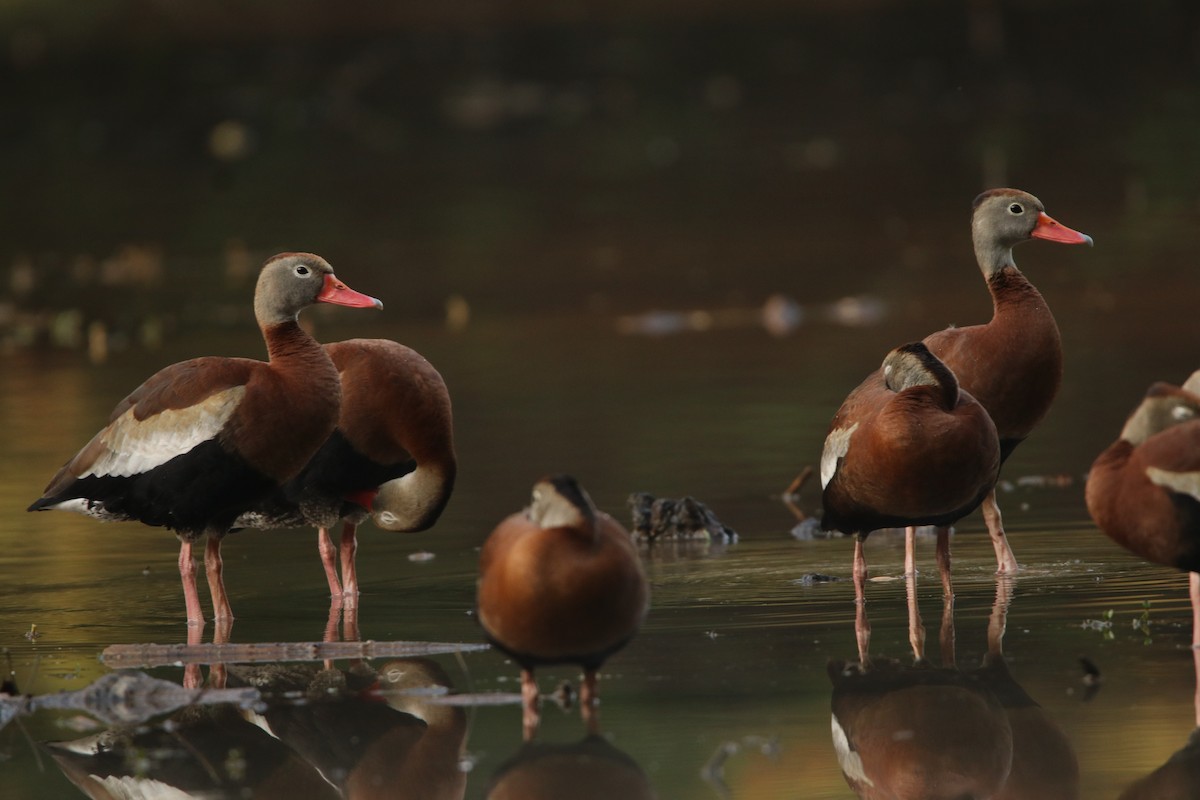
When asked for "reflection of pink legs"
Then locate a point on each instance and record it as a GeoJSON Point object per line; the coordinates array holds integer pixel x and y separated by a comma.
{"type": "Point", "coordinates": [193, 678]}
{"type": "Point", "coordinates": [916, 631]}
{"type": "Point", "coordinates": [191, 598]}
{"type": "Point", "coordinates": [214, 568]}
{"type": "Point", "coordinates": [998, 621]}
{"type": "Point", "coordinates": [862, 627]}
{"type": "Point", "coordinates": [530, 716]}
{"type": "Point", "coordinates": [1194, 591]}
{"type": "Point", "coordinates": [946, 637]}
{"type": "Point", "coordinates": [588, 700]}
{"type": "Point", "coordinates": [1006, 562]}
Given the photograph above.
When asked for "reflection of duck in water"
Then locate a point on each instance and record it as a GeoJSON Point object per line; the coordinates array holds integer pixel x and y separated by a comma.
{"type": "Point", "coordinates": [209, 752]}
{"type": "Point", "coordinates": [1044, 765]}
{"type": "Point", "coordinates": [370, 733]}
{"type": "Point", "coordinates": [590, 769]}
{"type": "Point", "coordinates": [917, 733]}
{"type": "Point", "coordinates": [323, 733]}
{"type": "Point", "coordinates": [560, 583]}
{"type": "Point", "coordinates": [924, 732]}
{"type": "Point", "coordinates": [1179, 777]}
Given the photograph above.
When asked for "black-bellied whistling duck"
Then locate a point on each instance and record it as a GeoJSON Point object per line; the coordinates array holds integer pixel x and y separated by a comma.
{"type": "Point", "coordinates": [1012, 364]}
{"type": "Point", "coordinates": [908, 447]}
{"type": "Point", "coordinates": [1144, 490]}
{"type": "Point", "coordinates": [560, 583]}
{"type": "Point", "coordinates": [202, 441]}
{"type": "Point", "coordinates": [391, 456]}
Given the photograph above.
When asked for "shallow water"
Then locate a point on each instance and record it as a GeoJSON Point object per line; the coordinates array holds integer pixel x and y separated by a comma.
{"type": "Point", "coordinates": [733, 656]}
{"type": "Point", "coordinates": [564, 180]}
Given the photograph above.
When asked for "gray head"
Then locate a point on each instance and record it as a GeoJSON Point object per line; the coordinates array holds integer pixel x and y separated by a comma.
{"type": "Point", "coordinates": [290, 282]}
{"type": "Point", "coordinates": [1004, 218]}
{"type": "Point", "coordinates": [1163, 407]}
{"type": "Point", "coordinates": [559, 502]}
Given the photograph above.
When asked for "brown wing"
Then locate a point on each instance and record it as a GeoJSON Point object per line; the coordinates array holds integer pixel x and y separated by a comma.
{"type": "Point", "coordinates": [174, 410]}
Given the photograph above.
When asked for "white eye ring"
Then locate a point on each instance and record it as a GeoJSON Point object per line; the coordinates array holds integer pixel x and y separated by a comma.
{"type": "Point", "coordinates": [1182, 412]}
{"type": "Point", "coordinates": [1016, 208]}
{"type": "Point", "coordinates": [301, 270]}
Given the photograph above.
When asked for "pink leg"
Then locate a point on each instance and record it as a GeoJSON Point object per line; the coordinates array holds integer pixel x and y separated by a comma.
{"type": "Point", "coordinates": [1006, 562]}
{"type": "Point", "coordinates": [943, 560]}
{"type": "Point", "coordinates": [1194, 591]}
{"type": "Point", "coordinates": [187, 573]}
{"type": "Point", "coordinates": [530, 716]}
{"type": "Point", "coordinates": [588, 700]}
{"type": "Point", "coordinates": [910, 550]}
{"type": "Point", "coordinates": [349, 571]}
{"type": "Point", "coordinates": [214, 568]}
{"type": "Point", "coordinates": [328, 555]}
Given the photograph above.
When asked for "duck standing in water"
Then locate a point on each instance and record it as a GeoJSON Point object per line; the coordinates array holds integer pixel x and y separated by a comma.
{"type": "Point", "coordinates": [202, 441]}
{"type": "Point", "coordinates": [560, 583]}
{"type": "Point", "coordinates": [907, 448]}
{"type": "Point", "coordinates": [1013, 364]}
{"type": "Point", "coordinates": [391, 457]}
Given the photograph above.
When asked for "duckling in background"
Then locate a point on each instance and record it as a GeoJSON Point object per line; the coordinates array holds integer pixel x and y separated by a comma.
{"type": "Point", "coordinates": [683, 519]}
{"type": "Point", "coordinates": [560, 583]}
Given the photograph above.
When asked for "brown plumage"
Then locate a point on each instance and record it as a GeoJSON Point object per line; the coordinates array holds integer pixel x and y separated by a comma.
{"type": "Point", "coordinates": [908, 447]}
{"type": "Point", "coordinates": [1013, 363]}
{"type": "Point", "coordinates": [560, 582]}
{"type": "Point", "coordinates": [391, 457]}
{"type": "Point", "coordinates": [1143, 491]}
{"type": "Point", "coordinates": [202, 441]}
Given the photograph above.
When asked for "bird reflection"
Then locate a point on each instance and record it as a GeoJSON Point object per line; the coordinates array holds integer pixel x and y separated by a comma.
{"type": "Point", "coordinates": [590, 769]}
{"type": "Point", "coordinates": [359, 733]}
{"type": "Point", "coordinates": [929, 732]}
{"type": "Point", "coordinates": [1179, 777]}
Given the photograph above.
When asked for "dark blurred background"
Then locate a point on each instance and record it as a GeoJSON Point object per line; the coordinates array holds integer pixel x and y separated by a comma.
{"type": "Point", "coordinates": [584, 155]}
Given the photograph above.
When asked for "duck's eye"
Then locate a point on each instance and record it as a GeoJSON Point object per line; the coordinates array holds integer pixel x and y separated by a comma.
{"type": "Point", "coordinates": [1182, 412]}
{"type": "Point", "coordinates": [301, 270]}
{"type": "Point", "coordinates": [1016, 208]}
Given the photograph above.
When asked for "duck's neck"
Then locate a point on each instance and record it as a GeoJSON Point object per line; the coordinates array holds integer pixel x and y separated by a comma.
{"type": "Point", "coordinates": [413, 502]}
{"type": "Point", "coordinates": [992, 254]}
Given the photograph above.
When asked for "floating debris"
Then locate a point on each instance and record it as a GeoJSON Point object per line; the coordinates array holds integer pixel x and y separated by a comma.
{"type": "Point", "coordinates": [683, 519]}
{"type": "Point", "coordinates": [157, 655]}
{"type": "Point", "coordinates": [421, 556]}
{"type": "Point", "coordinates": [813, 578]}
{"type": "Point", "coordinates": [126, 697]}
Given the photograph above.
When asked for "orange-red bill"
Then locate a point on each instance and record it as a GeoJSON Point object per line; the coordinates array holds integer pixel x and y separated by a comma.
{"type": "Point", "coordinates": [1049, 229]}
{"type": "Point", "coordinates": [338, 293]}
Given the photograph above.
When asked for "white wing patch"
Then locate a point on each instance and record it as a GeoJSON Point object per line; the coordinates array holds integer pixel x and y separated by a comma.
{"type": "Point", "coordinates": [848, 759]}
{"type": "Point", "coordinates": [1182, 482]}
{"type": "Point", "coordinates": [131, 447]}
{"type": "Point", "coordinates": [837, 443]}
